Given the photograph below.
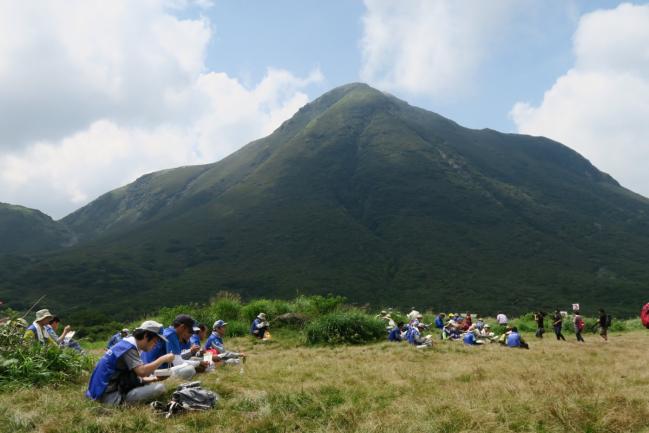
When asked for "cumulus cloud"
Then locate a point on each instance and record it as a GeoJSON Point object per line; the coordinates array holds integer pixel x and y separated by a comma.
{"type": "Point", "coordinates": [600, 106]}
{"type": "Point", "coordinates": [98, 93]}
{"type": "Point", "coordinates": [430, 47]}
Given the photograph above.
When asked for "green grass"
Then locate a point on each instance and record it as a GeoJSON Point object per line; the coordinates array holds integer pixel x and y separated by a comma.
{"type": "Point", "coordinates": [554, 387]}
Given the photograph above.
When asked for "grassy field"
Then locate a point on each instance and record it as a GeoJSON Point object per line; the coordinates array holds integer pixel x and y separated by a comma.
{"type": "Point", "coordinates": [285, 387]}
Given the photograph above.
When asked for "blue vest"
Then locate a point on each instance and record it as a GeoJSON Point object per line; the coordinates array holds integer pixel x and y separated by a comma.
{"type": "Point", "coordinates": [214, 342]}
{"type": "Point", "coordinates": [194, 339]}
{"type": "Point", "coordinates": [439, 323]}
{"type": "Point", "coordinates": [105, 368]}
{"type": "Point", "coordinates": [414, 334]}
{"type": "Point", "coordinates": [469, 338]}
{"type": "Point", "coordinates": [514, 339]}
{"type": "Point", "coordinates": [395, 334]}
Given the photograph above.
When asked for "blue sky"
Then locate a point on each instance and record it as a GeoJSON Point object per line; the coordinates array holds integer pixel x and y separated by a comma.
{"type": "Point", "coordinates": [97, 93]}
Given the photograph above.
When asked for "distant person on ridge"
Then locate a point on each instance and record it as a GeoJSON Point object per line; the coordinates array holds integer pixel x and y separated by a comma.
{"type": "Point", "coordinates": [116, 338]}
{"type": "Point", "coordinates": [604, 323]}
{"type": "Point", "coordinates": [259, 326]}
{"type": "Point", "coordinates": [539, 318]}
{"type": "Point", "coordinates": [579, 324]}
{"type": "Point", "coordinates": [557, 325]}
{"type": "Point", "coordinates": [502, 319]}
{"type": "Point", "coordinates": [121, 376]}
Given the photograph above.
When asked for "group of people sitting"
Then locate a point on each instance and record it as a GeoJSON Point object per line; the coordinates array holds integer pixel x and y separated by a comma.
{"type": "Point", "coordinates": [454, 327]}
{"type": "Point", "coordinates": [134, 363]}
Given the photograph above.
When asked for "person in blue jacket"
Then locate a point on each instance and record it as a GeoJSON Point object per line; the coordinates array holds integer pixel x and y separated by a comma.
{"type": "Point", "coordinates": [215, 342]}
{"type": "Point", "coordinates": [176, 336]}
{"type": "Point", "coordinates": [117, 337]}
{"type": "Point", "coordinates": [120, 376]}
{"type": "Point", "coordinates": [200, 332]}
{"type": "Point", "coordinates": [514, 339]}
{"type": "Point", "coordinates": [469, 338]}
{"type": "Point", "coordinates": [439, 321]}
{"type": "Point", "coordinates": [259, 326]}
{"type": "Point", "coordinates": [395, 333]}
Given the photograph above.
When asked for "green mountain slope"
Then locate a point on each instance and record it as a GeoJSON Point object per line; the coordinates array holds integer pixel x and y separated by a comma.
{"type": "Point", "coordinates": [363, 195]}
{"type": "Point", "coordinates": [24, 230]}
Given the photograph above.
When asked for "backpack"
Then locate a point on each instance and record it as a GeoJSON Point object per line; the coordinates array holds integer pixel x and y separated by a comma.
{"type": "Point", "coordinates": [609, 320]}
{"type": "Point", "coordinates": [187, 397]}
{"type": "Point", "coordinates": [644, 315]}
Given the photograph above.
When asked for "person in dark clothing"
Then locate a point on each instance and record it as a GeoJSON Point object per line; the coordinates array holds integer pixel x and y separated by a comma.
{"type": "Point", "coordinates": [557, 324]}
{"type": "Point", "coordinates": [603, 324]}
{"type": "Point", "coordinates": [540, 323]}
{"type": "Point", "coordinates": [579, 326]}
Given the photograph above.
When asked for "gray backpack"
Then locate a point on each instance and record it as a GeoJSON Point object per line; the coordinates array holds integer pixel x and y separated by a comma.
{"type": "Point", "coordinates": [187, 397]}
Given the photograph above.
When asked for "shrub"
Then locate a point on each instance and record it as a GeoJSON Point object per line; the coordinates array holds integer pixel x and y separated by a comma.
{"type": "Point", "coordinates": [24, 364]}
{"type": "Point", "coordinates": [272, 308]}
{"type": "Point", "coordinates": [237, 328]}
{"type": "Point", "coordinates": [314, 306]}
{"type": "Point", "coordinates": [352, 327]}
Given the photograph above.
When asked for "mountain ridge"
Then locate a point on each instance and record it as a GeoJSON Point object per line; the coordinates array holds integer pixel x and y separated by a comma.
{"type": "Point", "coordinates": [361, 194]}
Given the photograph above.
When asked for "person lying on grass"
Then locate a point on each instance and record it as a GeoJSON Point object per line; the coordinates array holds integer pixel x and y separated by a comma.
{"type": "Point", "coordinates": [215, 343]}
{"type": "Point", "coordinates": [121, 376]}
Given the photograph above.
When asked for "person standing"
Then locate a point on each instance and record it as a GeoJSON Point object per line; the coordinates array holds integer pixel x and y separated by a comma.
{"type": "Point", "coordinates": [539, 317]}
{"type": "Point", "coordinates": [604, 323]}
{"type": "Point", "coordinates": [557, 324]}
{"type": "Point", "coordinates": [579, 326]}
{"type": "Point", "coordinates": [502, 319]}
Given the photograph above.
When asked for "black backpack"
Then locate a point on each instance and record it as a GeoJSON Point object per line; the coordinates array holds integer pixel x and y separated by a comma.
{"type": "Point", "coordinates": [609, 320]}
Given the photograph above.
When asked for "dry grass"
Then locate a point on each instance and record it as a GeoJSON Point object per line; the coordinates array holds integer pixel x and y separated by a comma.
{"type": "Point", "coordinates": [555, 387]}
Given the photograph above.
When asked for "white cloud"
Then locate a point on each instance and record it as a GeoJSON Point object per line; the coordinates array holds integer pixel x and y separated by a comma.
{"type": "Point", "coordinates": [600, 107]}
{"type": "Point", "coordinates": [98, 93]}
{"type": "Point", "coordinates": [431, 47]}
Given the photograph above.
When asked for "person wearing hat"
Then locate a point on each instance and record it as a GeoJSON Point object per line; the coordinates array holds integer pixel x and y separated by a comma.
{"type": "Point", "coordinates": [117, 337]}
{"type": "Point", "coordinates": [121, 376]}
{"type": "Point", "coordinates": [178, 333]}
{"type": "Point", "coordinates": [417, 338]}
{"type": "Point", "coordinates": [37, 331]}
{"type": "Point", "coordinates": [215, 342]}
{"type": "Point", "coordinates": [259, 326]}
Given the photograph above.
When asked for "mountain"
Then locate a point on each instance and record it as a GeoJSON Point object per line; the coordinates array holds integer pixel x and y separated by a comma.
{"type": "Point", "coordinates": [363, 195]}
{"type": "Point", "coordinates": [24, 230]}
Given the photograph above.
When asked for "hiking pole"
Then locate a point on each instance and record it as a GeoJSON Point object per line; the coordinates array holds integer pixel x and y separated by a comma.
{"type": "Point", "coordinates": [32, 307]}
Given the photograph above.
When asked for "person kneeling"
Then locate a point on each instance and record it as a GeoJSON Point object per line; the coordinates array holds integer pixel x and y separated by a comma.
{"type": "Point", "coordinates": [121, 376]}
